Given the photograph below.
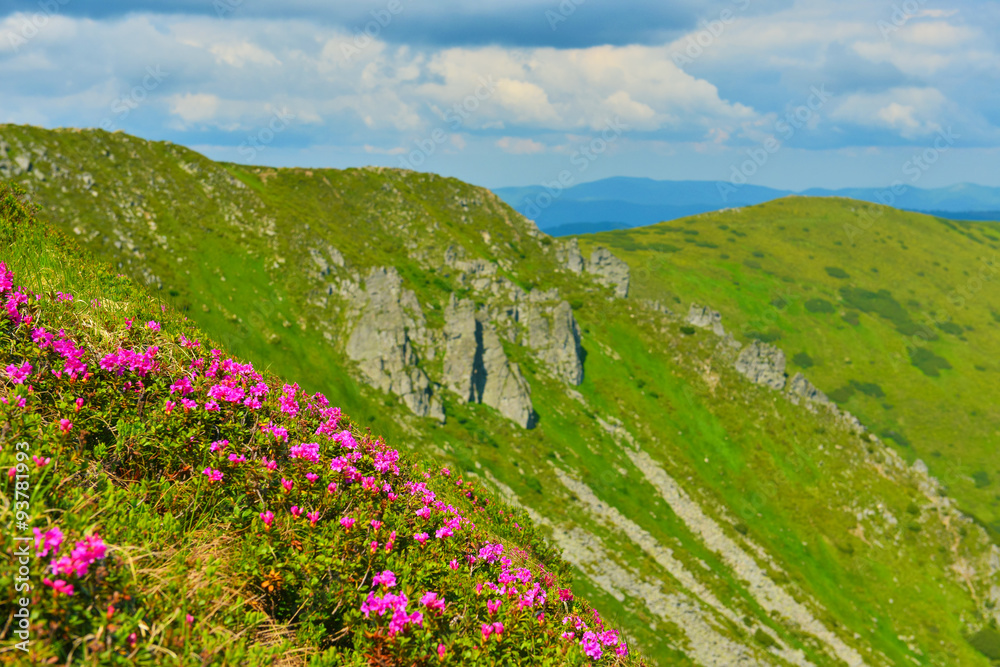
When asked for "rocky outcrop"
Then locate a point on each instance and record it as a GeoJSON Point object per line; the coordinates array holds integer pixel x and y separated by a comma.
{"type": "Point", "coordinates": [763, 364]}
{"type": "Point", "coordinates": [800, 386]}
{"type": "Point", "coordinates": [555, 337]}
{"type": "Point", "coordinates": [568, 255]}
{"type": "Point", "coordinates": [705, 318]}
{"type": "Point", "coordinates": [609, 271]}
{"type": "Point", "coordinates": [476, 367]}
{"type": "Point", "coordinates": [381, 342]}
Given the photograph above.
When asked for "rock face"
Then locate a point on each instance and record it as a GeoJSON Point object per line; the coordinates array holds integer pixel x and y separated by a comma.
{"type": "Point", "coordinates": [555, 336]}
{"type": "Point", "coordinates": [568, 254]}
{"type": "Point", "coordinates": [705, 318]}
{"type": "Point", "coordinates": [610, 271]}
{"type": "Point", "coordinates": [762, 363]}
{"type": "Point", "coordinates": [381, 342]}
{"type": "Point", "coordinates": [800, 386]}
{"type": "Point", "coordinates": [476, 367]}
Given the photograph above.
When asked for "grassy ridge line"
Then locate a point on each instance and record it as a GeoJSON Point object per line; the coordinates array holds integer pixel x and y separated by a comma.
{"type": "Point", "coordinates": [207, 533]}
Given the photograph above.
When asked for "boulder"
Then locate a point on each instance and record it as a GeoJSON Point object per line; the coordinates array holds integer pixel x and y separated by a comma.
{"type": "Point", "coordinates": [705, 318]}
{"type": "Point", "coordinates": [763, 364]}
{"type": "Point", "coordinates": [568, 254]}
{"type": "Point", "coordinates": [609, 271]}
{"type": "Point", "coordinates": [381, 342]}
{"type": "Point", "coordinates": [476, 367]}
{"type": "Point", "coordinates": [555, 337]}
{"type": "Point", "coordinates": [800, 386]}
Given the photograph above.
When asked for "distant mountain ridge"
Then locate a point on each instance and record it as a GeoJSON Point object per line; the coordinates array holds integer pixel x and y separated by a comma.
{"type": "Point", "coordinates": [624, 202]}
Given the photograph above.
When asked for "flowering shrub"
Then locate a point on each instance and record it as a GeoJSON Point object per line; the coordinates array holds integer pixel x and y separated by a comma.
{"type": "Point", "coordinates": [175, 491]}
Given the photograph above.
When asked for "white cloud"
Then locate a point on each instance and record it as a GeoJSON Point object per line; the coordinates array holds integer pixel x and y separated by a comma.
{"type": "Point", "coordinates": [910, 112]}
{"type": "Point", "coordinates": [239, 54]}
{"type": "Point", "coordinates": [194, 107]}
{"type": "Point", "coordinates": [520, 146]}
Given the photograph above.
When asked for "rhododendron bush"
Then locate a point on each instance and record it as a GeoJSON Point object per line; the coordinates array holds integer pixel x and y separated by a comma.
{"type": "Point", "coordinates": [185, 506]}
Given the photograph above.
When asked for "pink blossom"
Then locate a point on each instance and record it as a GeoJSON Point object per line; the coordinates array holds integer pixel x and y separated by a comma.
{"type": "Point", "coordinates": [386, 578]}
{"type": "Point", "coordinates": [211, 406]}
{"type": "Point", "coordinates": [312, 477]}
{"type": "Point", "coordinates": [331, 487]}
{"type": "Point", "coordinates": [48, 542]}
{"type": "Point", "coordinates": [268, 465]}
{"type": "Point", "coordinates": [267, 517]}
{"type": "Point", "coordinates": [421, 537]}
{"type": "Point", "coordinates": [128, 322]}
{"type": "Point", "coordinates": [432, 601]}
{"type": "Point", "coordinates": [565, 595]}
{"type": "Point", "coordinates": [287, 485]}
{"type": "Point", "coordinates": [168, 406]}
{"type": "Point", "coordinates": [493, 605]}
{"type": "Point", "coordinates": [18, 374]}
{"type": "Point", "coordinates": [373, 547]}
{"type": "Point", "coordinates": [40, 461]}
{"type": "Point", "coordinates": [453, 564]}
{"type": "Point", "coordinates": [59, 586]}
{"type": "Point", "coordinates": [424, 512]}
{"type": "Point", "coordinates": [190, 404]}
{"type": "Point", "coordinates": [237, 458]}
{"type": "Point", "coordinates": [218, 445]}
{"type": "Point", "coordinates": [376, 524]}
{"type": "Point", "coordinates": [388, 545]}
{"type": "Point", "coordinates": [213, 475]}
{"type": "Point", "coordinates": [443, 532]}
{"type": "Point", "coordinates": [189, 619]}
{"type": "Point", "coordinates": [65, 425]}
{"type": "Point", "coordinates": [296, 511]}
{"type": "Point", "coordinates": [441, 651]}
{"type": "Point", "coordinates": [487, 630]}
{"type": "Point", "coordinates": [307, 450]}
{"type": "Point", "coordinates": [78, 403]}
{"type": "Point", "coordinates": [153, 325]}
{"type": "Point", "coordinates": [313, 517]}
{"type": "Point", "coordinates": [347, 522]}
{"type": "Point", "coordinates": [591, 645]}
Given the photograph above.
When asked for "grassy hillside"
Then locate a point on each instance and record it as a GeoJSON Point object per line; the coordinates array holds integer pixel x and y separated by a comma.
{"type": "Point", "coordinates": [713, 520]}
{"type": "Point", "coordinates": [206, 532]}
{"type": "Point", "coordinates": [895, 315]}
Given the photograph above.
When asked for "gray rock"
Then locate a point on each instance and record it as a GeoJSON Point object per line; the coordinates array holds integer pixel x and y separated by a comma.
{"type": "Point", "coordinates": [23, 164]}
{"type": "Point", "coordinates": [476, 366]}
{"type": "Point", "coordinates": [800, 386]}
{"type": "Point", "coordinates": [555, 336]}
{"type": "Point", "coordinates": [763, 364]}
{"type": "Point", "coordinates": [382, 346]}
{"type": "Point", "coordinates": [609, 270]}
{"type": "Point", "coordinates": [705, 318]}
{"type": "Point", "coordinates": [568, 254]}
{"type": "Point", "coordinates": [321, 263]}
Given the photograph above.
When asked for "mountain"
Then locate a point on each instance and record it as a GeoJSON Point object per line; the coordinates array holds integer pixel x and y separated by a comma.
{"type": "Point", "coordinates": [715, 509]}
{"type": "Point", "coordinates": [187, 508]}
{"type": "Point", "coordinates": [624, 202]}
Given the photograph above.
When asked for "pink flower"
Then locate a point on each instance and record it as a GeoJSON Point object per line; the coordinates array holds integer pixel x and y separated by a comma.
{"type": "Point", "coordinates": [445, 472]}
{"type": "Point", "coordinates": [18, 374]}
{"type": "Point", "coordinates": [498, 629]}
{"type": "Point", "coordinates": [47, 542]}
{"type": "Point", "coordinates": [168, 406]}
{"type": "Point", "coordinates": [424, 512]}
{"type": "Point", "coordinates": [493, 605]}
{"type": "Point", "coordinates": [313, 517]}
{"type": "Point", "coordinates": [443, 532]}
{"type": "Point", "coordinates": [213, 475]}
{"type": "Point", "coordinates": [487, 630]}
{"type": "Point", "coordinates": [388, 545]}
{"type": "Point", "coordinates": [269, 465]}
{"type": "Point", "coordinates": [296, 511]}
{"type": "Point", "coordinates": [267, 517]}
{"type": "Point", "coordinates": [128, 322]}
{"type": "Point", "coordinates": [376, 524]}
{"type": "Point", "coordinates": [59, 586]}
{"type": "Point", "coordinates": [386, 578]}
{"type": "Point", "coordinates": [65, 425]}
{"type": "Point", "coordinates": [287, 485]}
{"type": "Point", "coordinates": [432, 601]}
{"type": "Point", "coordinates": [307, 450]}
{"type": "Point", "coordinates": [347, 522]}
{"type": "Point", "coordinates": [453, 564]}
{"type": "Point", "coordinates": [79, 404]}
{"type": "Point", "coordinates": [591, 645]}
{"type": "Point", "coordinates": [565, 595]}
{"type": "Point", "coordinates": [421, 537]}
{"type": "Point", "coordinates": [211, 406]}
{"type": "Point", "coordinates": [441, 651]}
{"type": "Point", "coordinates": [189, 619]}
{"type": "Point", "coordinates": [331, 487]}
{"type": "Point", "coordinates": [622, 649]}
{"type": "Point", "coordinates": [373, 547]}
{"type": "Point", "coordinates": [218, 445]}
{"type": "Point", "coordinates": [237, 458]}
{"type": "Point", "coordinates": [153, 325]}
{"type": "Point", "coordinates": [40, 461]}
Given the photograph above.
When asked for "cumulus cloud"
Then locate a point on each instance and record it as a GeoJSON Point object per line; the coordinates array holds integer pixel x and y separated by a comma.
{"type": "Point", "coordinates": [910, 112]}
{"type": "Point", "coordinates": [519, 146]}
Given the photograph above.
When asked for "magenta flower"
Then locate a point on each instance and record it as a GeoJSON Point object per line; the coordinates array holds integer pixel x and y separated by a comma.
{"type": "Point", "coordinates": [565, 595]}
{"type": "Point", "coordinates": [267, 517]}
{"type": "Point", "coordinates": [432, 601]}
{"type": "Point", "coordinates": [388, 545]}
{"type": "Point", "coordinates": [453, 564]}
{"type": "Point", "coordinates": [78, 403]}
{"type": "Point", "coordinates": [218, 445]}
{"type": "Point", "coordinates": [168, 406]}
{"type": "Point", "coordinates": [493, 605]}
{"type": "Point", "coordinates": [18, 374]}
{"type": "Point", "coordinates": [421, 537]}
{"type": "Point", "coordinates": [373, 547]}
{"type": "Point", "coordinates": [312, 477]}
{"type": "Point", "coordinates": [189, 619]}
{"type": "Point", "coordinates": [313, 517]}
{"type": "Point", "coordinates": [269, 465]}
{"type": "Point", "coordinates": [213, 475]}
{"type": "Point", "coordinates": [347, 522]}
{"type": "Point", "coordinates": [59, 586]}
{"type": "Point", "coordinates": [441, 651]}
{"type": "Point", "coordinates": [153, 325]}
{"type": "Point", "coordinates": [307, 450]}
{"type": "Point", "coordinates": [487, 630]}
{"type": "Point", "coordinates": [591, 645]}
{"type": "Point", "coordinates": [47, 542]}
{"type": "Point", "coordinates": [376, 524]}
{"type": "Point", "coordinates": [128, 322]}
{"type": "Point", "coordinates": [331, 487]}
{"type": "Point", "coordinates": [443, 532]}
{"type": "Point", "coordinates": [65, 425]}
{"type": "Point", "coordinates": [287, 485]}
{"type": "Point", "coordinates": [40, 461]}
{"type": "Point", "coordinates": [386, 578]}
{"type": "Point", "coordinates": [296, 511]}
{"type": "Point", "coordinates": [424, 512]}
{"type": "Point", "coordinates": [237, 458]}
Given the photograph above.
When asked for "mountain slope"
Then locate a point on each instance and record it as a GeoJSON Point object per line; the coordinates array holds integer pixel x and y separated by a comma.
{"type": "Point", "coordinates": [717, 521]}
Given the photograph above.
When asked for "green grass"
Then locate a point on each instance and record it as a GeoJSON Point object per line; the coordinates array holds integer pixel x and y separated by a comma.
{"type": "Point", "coordinates": [791, 481]}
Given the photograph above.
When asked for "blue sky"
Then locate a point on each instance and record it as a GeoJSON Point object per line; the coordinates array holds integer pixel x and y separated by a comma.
{"type": "Point", "coordinates": [789, 93]}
